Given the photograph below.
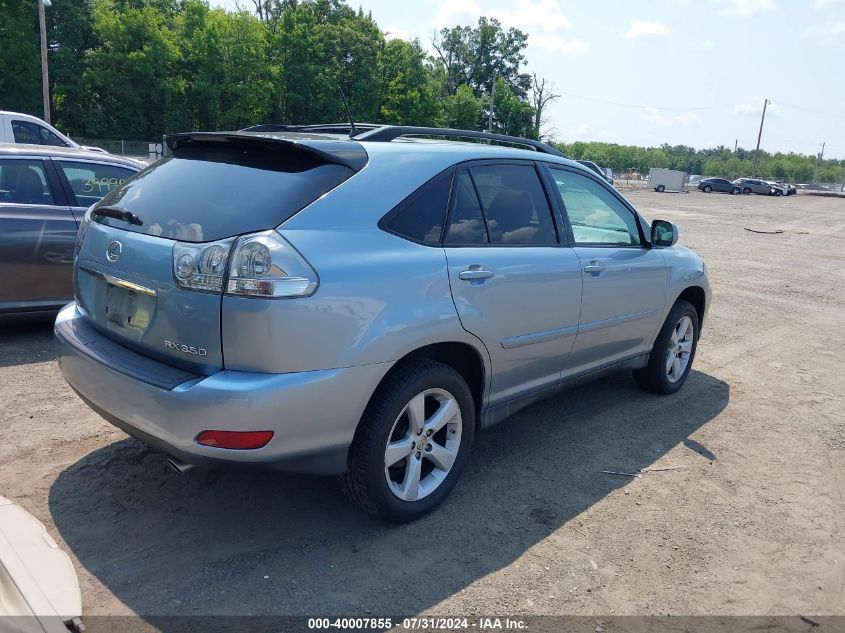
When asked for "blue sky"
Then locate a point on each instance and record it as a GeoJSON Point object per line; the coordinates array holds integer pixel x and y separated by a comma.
{"type": "Point", "coordinates": [687, 71]}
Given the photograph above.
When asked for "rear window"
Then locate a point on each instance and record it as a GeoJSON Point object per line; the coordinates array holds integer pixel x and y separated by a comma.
{"type": "Point", "coordinates": [208, 192]}
{"type": "Point", "coordinates": [421, 216]}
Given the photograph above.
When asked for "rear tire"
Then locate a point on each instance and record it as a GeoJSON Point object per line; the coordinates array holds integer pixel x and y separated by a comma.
{"type": "Point", "coordinates": [673, 352]}
{"type": "Point", "coordinates": [778, 193]}
{"type": "Point", "coordinates": [660, 189]}
{"type": "Point", "coordinates": [735, 191]}
{"type": "Point", "coordinates": [746, 190]}
{"type": "Point", "coordinates": [412, 398]}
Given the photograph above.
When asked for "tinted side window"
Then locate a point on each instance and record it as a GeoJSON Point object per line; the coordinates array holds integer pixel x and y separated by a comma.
{"type": "Point", "coordinates": [466, 226]}
{"type": "Point", "coordinates": [24, 182]}
{"type": "Point", "coordinates": [514, 204]}
{"type": "Point", "coordinates": [25, 132]}
{"type": "Point", "coordinates": [421, 216]}
{"type": "Point", "coordinates": [48, 138]}
{"type": "Point", "coordinates": [92, 181]}
{"type": "Point", "coordinates": [595, 214]}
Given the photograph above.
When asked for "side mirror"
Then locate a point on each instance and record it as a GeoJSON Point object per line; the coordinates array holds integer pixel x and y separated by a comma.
{"type": "Point", "coordinates": [663, 233]}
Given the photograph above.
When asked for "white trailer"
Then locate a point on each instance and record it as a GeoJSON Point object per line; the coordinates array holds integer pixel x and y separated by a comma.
{"type": "Point", "coordinates": [667, 179]}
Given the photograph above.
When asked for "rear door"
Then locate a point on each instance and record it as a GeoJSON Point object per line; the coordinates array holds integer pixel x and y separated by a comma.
{"type": "Point", "coordinates": [624, 281]}
{"type": "Point", "coordinates": [37, 236]}
{"type": "Point", "coordinates": [516, 286]}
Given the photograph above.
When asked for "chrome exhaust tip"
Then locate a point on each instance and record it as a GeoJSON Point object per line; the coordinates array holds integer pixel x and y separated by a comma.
{"type": "Point", "coordinates": [178, 465]}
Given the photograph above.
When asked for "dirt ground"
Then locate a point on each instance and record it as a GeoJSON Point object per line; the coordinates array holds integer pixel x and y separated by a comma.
{"type": "Point", "coordinates": [747, 518]}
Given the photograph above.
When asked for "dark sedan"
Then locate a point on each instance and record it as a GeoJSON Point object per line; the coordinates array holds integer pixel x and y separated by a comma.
{"type": "Point", "coordinates": [44, 192]}
{"type": "Point", "coordinates": [718, 184]}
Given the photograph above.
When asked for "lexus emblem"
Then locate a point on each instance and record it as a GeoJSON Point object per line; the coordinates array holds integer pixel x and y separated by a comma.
{"type": "Point", "coordinates": [113, 251]}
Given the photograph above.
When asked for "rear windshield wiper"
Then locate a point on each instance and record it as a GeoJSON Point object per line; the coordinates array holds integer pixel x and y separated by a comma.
{"type": "Point", "coordinates": [117, 213]}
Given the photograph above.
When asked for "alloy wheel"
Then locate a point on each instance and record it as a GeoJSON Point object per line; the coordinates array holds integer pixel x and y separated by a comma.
{"type": "Point", "coordinates": [423, 444]}
{"type": "Point", "coordinates": [680, 349]}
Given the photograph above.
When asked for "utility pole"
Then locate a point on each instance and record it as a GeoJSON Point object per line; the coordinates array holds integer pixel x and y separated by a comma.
{"type": "Point", "coordinates": [492, 103]}
{"type": "Point", "coordinates": [759, 136]}
{"type": "Point", "coordinates": [45, 79]}
{"type": "Point", "coordinates": [736, 142]}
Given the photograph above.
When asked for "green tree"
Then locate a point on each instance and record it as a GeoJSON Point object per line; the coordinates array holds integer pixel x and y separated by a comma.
{"type": "Point", "coordinates": [129, 84]}
{"type": "Point", "coordinates": [20, 56]}
{"type": "Point", "coordinates": [512, 115]}
{"type": "Point", "coordinates": [462, 110]}
{"type": "Point", "coordinates": [408, 93]}
{"type": "Point", "coordinates": [473, 56]}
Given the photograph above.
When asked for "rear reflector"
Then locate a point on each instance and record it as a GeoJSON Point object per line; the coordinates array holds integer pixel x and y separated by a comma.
{"type": "Point", "coordinates": [240, 440]}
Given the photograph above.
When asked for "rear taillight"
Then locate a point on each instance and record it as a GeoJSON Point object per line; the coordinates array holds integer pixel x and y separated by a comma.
{"type": "Point", "coordinates": [201, 266]}
{"type": "Point", "coordinates": [265, 265]}
{"type": "Point", "coordinates": [258, 265]}
{"type": "Point", "coordinates": [236, 440]}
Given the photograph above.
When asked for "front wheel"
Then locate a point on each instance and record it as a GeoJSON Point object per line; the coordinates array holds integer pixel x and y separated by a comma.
{"type": "Point", "coordinates": [671, 357]}
{"type": "Point", "coordinates": [778, 192]}
{"type": "Point", "coordinates": [412, 442]}
{"type": "Point", "coordinates": [660, 189]}
{"type": "Point", "coordinates": [707, 189]}
{"type": "Point", "coordinates": [735, 191]}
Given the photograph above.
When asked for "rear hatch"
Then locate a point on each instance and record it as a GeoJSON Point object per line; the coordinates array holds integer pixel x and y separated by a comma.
{"type": "Point", "coordinates": [212, 189]}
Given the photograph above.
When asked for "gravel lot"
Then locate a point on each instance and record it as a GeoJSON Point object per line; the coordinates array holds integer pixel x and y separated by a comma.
{"type": "Point", "coordinates": [748, 518]}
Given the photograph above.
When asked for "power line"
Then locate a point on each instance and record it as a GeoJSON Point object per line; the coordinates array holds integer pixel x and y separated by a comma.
{"type": "Point", "coordinates": [795, 107]}
{"type": "Point", "coordinates": [645, 107]}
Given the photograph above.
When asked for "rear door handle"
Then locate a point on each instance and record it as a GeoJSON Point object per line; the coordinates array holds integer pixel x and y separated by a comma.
{"type": "Point", "coordinates": [595, 267]}
{"type": "Point", "coordinates": [475, 272]}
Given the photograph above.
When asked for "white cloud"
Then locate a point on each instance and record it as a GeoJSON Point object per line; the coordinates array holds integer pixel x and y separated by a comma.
{"type": "Point", "coordinates": [743, 8]}
{"type": "Point", "coordinates": [457, 12]}
{"type": "Point", "coordinates": [685, 119]}
{"type": "Point", "coordinates": [559, 44]}
{"type": "Point", "coordinates": [823, 4]}
{"type": "Point", "coordinates": [534, 14]}
{"type": "Point", "coordinates": [754, 106]}
{"type": "Point", "coordinates": [828, 33]}
{"type": "Point", "coordinates": [647, 28]}
{"type": "Point", "coordinates": [395, 33]}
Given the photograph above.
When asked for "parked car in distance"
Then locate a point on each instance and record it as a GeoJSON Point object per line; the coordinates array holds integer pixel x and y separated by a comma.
{"type": "Point", "coordinates": [601, 172]}
{"type": "Point", "coordinates": [16, 127]}
{"type": "Point", "coordinates": [754, 185]}
{"type": "Point", "coordinates": [782, 189]}
{"type": "Point", "coordinates": [262, 298]}
{"type": "Point", "coordinates": [718, 184]}
{"type": "Point", "coordinates": [44, 192]}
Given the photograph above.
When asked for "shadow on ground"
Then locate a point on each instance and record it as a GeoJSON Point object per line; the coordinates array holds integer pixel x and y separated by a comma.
{"type": "Point", "coordinates": [25, 341]}
{"type": "Point", "coordinates": [269, 543]}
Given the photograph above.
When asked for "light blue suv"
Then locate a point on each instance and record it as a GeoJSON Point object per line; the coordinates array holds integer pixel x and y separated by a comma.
{"type": "Point", "coordinates": [364, 305]}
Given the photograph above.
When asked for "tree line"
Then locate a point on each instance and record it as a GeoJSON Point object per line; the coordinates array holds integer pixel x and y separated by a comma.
{"type": "Point", "coordinates": [137, 69]}
{"type": "Point", "coordinates": [720, 161]}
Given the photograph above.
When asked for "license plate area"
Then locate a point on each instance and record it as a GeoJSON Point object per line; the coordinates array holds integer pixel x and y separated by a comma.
{"type": "Point", "coordinates": [122, 308]}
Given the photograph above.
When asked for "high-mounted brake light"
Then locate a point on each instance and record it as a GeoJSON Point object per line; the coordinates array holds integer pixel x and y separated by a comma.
{"type": "Point", "coordinates": [236, 440]}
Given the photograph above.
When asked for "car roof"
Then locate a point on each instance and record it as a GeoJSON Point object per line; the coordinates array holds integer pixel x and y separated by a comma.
{"type": "Point", "coordinates": [22, 149]}
{"type": "Point", "coordinates": [457, 151]}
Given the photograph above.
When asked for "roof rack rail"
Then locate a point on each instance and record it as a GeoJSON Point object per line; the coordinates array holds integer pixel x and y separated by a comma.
{"type": "Point", "coordinates": [325, 128]}
{"type": "Point", "coordinates": [387, 133]}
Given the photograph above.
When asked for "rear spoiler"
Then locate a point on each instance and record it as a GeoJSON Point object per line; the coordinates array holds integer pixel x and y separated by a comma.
{"type": "Point", "coordinates": [348, 153]}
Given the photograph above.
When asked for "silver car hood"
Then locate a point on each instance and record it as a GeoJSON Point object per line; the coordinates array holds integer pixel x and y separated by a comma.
{"type": "Point", "coordinates": [39, 590]}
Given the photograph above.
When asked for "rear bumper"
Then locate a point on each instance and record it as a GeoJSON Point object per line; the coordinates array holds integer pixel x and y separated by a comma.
{"type": "Point", "coordinates": [313, 414]}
